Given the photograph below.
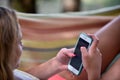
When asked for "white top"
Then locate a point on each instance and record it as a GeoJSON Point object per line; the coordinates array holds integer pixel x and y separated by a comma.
{"type": "Point", "coordinates": [21, 75]}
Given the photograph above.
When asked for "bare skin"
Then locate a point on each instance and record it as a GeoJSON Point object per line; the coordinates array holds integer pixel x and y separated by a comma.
{"type": "Point", "coordinates": [109, 41]}
{"type": "Point", "coordinates": [109, 45]}
{"type": "Point", "coordinates": [114, 71]}
{"type": "Point", "coordinates": [92, 60]}
{"type": "Point", "coordinates": [59, 62]}
{"type": "Point", "coordinates": [54, 65]}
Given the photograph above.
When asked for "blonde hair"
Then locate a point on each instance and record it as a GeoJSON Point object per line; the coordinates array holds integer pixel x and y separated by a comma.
{"type": "Point", "coordinates": [8, 35]}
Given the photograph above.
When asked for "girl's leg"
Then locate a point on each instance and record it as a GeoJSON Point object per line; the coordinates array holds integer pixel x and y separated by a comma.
{"type": "Point", "coordinates": [109, 41]}
{"type": "Point", "coordinates": [114, 71]}
{"type": "Point", "coordinates": [109, 44]}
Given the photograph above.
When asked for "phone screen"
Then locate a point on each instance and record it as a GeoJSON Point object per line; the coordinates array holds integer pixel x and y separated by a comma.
{"type": "Point", "coordinates": [77, 60]}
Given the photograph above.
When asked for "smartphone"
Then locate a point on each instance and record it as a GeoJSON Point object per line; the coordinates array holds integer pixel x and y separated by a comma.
{"type": "Point", "coordinates": [75, 63]}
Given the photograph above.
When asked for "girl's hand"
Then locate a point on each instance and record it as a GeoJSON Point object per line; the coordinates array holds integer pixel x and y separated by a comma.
{"type": "Point", "coordinates": [63, 57]}
{"type": "Point", "coordinates": [92, 60]}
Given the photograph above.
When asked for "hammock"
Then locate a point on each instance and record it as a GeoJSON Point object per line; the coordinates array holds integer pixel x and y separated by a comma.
{"type": "Point", "coordinates": [45, 34]}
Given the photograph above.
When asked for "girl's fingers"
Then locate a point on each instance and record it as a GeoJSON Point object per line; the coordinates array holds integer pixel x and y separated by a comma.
{"type": "Point", "coordinates": [94, 43]}
{"type": "Point", "coordinates": [68, 52]}
{"type": "Point", "coordinates": [84, 51]}
{"type": "Point", "coordinates": [71, 50]}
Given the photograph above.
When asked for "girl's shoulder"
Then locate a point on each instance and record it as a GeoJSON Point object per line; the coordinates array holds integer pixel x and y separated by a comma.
{"type": "Point", "coordinates": [21, 75]}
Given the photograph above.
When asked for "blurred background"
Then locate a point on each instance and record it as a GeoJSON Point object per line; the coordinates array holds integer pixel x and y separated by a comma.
{"type": "Point", "coordinates": [57, 6]}
{"type": "Point", "coordinates": [44, 35]}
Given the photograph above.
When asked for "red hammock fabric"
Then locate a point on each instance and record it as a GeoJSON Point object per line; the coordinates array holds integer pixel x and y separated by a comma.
{"type": "Point", "coordinates": [44, 37]}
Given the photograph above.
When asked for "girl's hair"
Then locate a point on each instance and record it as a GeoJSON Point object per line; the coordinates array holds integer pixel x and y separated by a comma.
{"type": "Point", "coordinates": [8, 36]}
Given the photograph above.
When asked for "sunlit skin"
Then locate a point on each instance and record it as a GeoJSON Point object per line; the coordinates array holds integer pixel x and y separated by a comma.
{"type": "Point", "coordinates": [60, 61]}
{"type": "Point", "coordinates": [11, 51]}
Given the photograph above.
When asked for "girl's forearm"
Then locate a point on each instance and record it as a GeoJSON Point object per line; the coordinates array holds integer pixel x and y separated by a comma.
{"type": "Point", "coordinates": [94, 76]}
{"type": "Point", "coordinates": [46, 70]}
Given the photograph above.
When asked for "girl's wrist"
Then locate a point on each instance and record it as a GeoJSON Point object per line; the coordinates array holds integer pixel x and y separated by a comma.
{"type": "Point", "coordinates": [57, 65]}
